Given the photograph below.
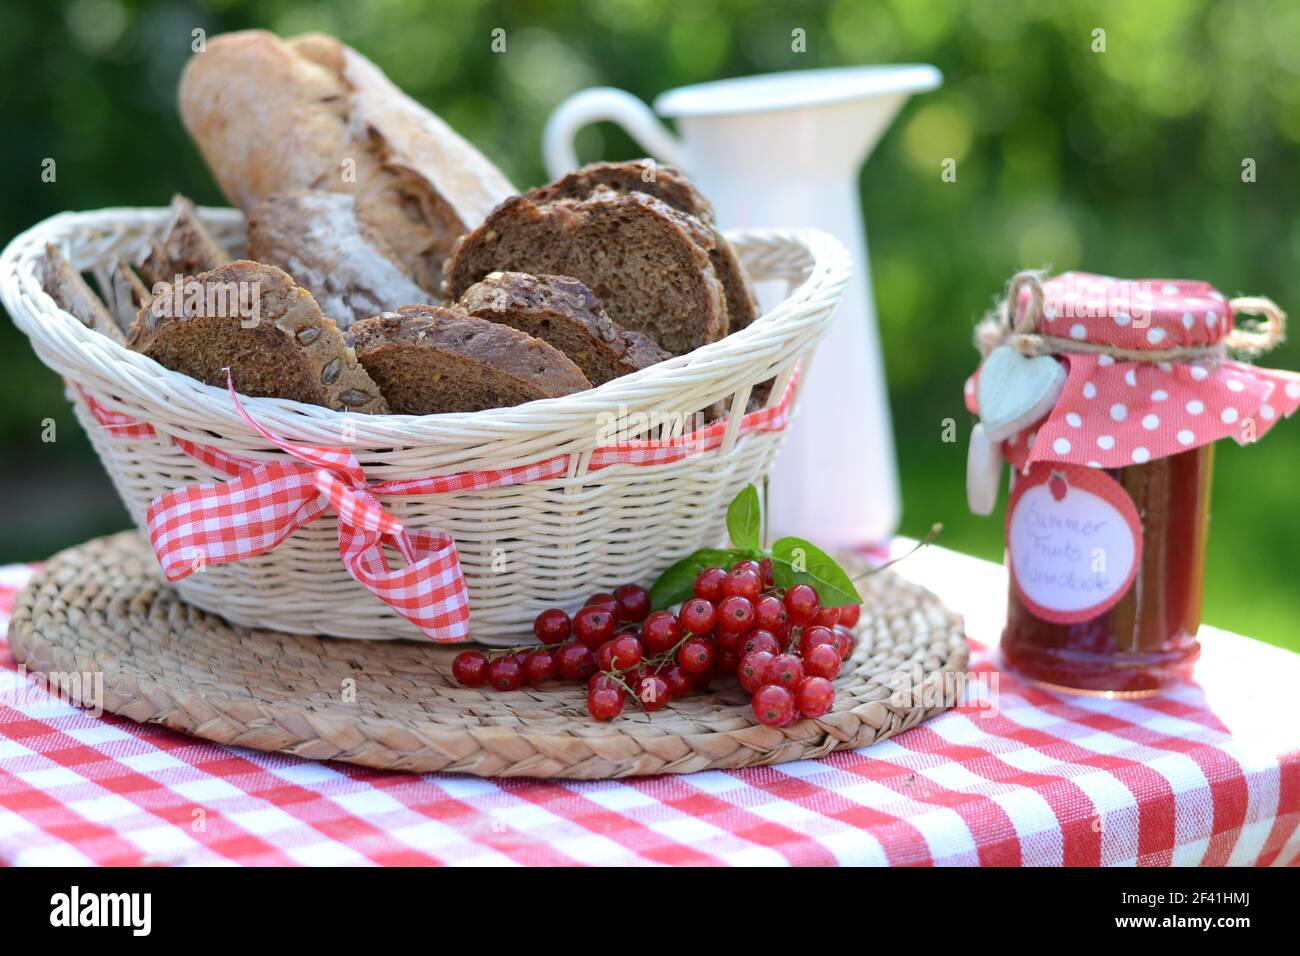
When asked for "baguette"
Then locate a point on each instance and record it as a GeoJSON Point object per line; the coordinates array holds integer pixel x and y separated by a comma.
{"type": "Point", "coordinates": [273, 116]}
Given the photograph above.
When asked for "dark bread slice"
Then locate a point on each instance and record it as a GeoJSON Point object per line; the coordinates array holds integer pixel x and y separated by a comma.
{"type": "Point", "coordinates": [72, 294]}
{"type": "Point", "coordinates": [668, 185]}
{"type": "Point", "coordinates": [251, 318]}
{"type": "Point", "coordinates": [561, 311]}
{"type": "Point", "coordinates": [646, 262]}
{"type": "Point", "coordinates": [429, 359]}
{"type": "Point", "coordinates": [319, 239]}
{"type": "Point", "coordinates": [187, 248]}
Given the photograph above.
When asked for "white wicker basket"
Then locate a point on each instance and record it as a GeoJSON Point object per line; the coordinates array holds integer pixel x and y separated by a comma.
{"type": "Point", "coordinates": [523, 547]}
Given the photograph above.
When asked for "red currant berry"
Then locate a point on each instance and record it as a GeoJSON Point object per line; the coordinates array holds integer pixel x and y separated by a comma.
{"type": "Point", "coordinates": [633, 603]}
{"type": "Point", "coordinates": [696, 655]}
{"type": "Point", "coordinates": [746, 583]}
{"type": "Point", "coordinates": [504, 673]}
{"type": "Point", "coordinates": [735, 614]}
{"type": "Point", "coordinates": [653, 691]}
{"type": "Point", "coordinates": [661, 632]}
{"type": "Point", "coordinates": [765, 568]}
{"type": "Point", "coordinates": [815, 696]}
{"type": "Point", "coordinates": [822, 660]}
{"type": "Point", "coordinates": [729, 642]}
{"type": "Point", "coordinates": [784, 669]}
{"type": "Point", "coordinates": [812, 636]}
{"type": "Point", "coordinates": [593, 625]}
{"type": "Point", "coordinates": [627, 652]}
{"type": "Point", "coordinates": [603, 599]}
{"type": "Point", "coordinates": [827, 617]}
{"type": "Point", "coordinates": [470, 668]}
{"type": "Point", "coordinates": [773, 705]}
{"type": "Point", "coordinates": [680, 680]}
{"type": "Point", "coordinates": [770, 614]}
{"type": "Point", "coordinates": [698, 616]}
{"type": "Point", "coordinates": [540, 667]}
{"type": "Point", "coordinates": [752, 668]}
{"type": "Point", "coordinates": [748, 564]}
{"type": "Point", "coordinates": [603, 681]}
{"type": "Point", "coordinates": [575, 661]}
{"type": "Point", "coordinates": [605, 656]}
{"type": "Point", "coordinates": [708, 584]}
{"type": "Point", "coordinates": [760, 640]}
{"type": "Point", "coordinates": [552, 626]}
{"type": "Point", "coordinates": [802, 603]}
{"type": "Point", "coordinates": [605, 704]}
{"type": "Point", "coordinates": [849, 615]}
{"type": "Point", "coordinates": [726, 662]}
{"type": "Point", "coordinates": [845, 642]}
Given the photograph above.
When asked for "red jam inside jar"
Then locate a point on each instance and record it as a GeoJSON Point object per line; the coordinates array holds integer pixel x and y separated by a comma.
{"type": "Point", "coordinates": [1146, 640]}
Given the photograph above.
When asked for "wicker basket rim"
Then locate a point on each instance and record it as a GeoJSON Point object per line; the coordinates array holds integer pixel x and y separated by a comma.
{"type": "Point", "coordinates": [822, 271]}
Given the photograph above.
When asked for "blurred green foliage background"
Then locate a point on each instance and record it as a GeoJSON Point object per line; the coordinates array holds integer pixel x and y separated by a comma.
{"type": "Point", "coordinates": [1127, 161]}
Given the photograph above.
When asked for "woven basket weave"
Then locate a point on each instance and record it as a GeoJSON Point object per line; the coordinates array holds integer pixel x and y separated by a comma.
{"type": "Point", "coordinates": [523, 547]}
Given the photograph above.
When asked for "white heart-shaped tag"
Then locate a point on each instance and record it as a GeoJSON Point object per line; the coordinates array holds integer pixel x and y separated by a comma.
{"type": "Point", "coordinates": [1014, 391]}
{"type": "Point", "coordinates": [983, 472]}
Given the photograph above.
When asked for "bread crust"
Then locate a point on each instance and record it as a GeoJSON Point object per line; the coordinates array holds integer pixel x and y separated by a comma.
{"type": "Point", "coordinates": [317, 238]}
{"type": "Point", "coordinates": [72, 294]}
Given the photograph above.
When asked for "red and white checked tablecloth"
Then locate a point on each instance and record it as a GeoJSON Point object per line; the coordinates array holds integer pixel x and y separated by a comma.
{"type": "Point", "coordinates": [1209, 774]}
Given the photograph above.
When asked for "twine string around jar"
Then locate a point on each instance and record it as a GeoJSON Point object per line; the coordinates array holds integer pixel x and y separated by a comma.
{"type": "Point", "coordinates": [1004, 326]}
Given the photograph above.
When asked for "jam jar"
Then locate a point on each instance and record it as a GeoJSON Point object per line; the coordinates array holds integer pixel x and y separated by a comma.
{"type": "Point", "coordinates": [1106, 398]}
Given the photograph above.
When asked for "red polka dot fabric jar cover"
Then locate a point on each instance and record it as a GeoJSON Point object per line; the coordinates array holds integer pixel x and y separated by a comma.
{"type": "Point", "coordinates": [1106, 397]}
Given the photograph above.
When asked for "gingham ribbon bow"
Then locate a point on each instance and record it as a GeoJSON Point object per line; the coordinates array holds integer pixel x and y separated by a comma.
{"type": "Point", "coordinates": [265, 502]}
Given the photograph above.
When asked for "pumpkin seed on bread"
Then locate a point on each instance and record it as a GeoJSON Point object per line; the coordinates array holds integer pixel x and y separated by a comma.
{"type": "Point", "coordinates": [252, 318]}
{"type": "Point", "coordinates": [563, 312]}
{"type": "Point", "coordinates": [646, 262]}
{"type": "Point", "coordinates": [428, 359]}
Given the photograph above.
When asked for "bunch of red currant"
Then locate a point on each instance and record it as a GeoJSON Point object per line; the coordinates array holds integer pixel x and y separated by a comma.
{"type": "Point", "coordinates": [782, 645]}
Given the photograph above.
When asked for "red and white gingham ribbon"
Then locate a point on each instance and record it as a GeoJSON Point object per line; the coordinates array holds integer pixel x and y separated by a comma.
{"type": "Point", "coordinates": [263, 503]}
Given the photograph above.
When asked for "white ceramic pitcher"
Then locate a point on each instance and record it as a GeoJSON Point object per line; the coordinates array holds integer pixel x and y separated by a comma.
{"type": "Point", "coordinates": [785, 150]}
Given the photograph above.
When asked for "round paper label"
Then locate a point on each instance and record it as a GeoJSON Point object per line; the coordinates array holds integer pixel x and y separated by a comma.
{"type": "Point", "coordinates": [1074, 541]}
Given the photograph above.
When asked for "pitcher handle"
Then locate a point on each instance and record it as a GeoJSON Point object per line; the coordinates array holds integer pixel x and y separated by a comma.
{"type": "Point", "coordinates": [616, 106]}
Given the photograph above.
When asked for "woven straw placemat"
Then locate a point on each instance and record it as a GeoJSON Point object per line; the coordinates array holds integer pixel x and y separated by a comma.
{"type": "Point", "coordinates": [104, 606]}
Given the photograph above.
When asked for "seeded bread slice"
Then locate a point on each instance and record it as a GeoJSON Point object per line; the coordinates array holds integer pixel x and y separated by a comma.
{"type": "Point", "coordinates": [647, 263]}
{"type": "Point", "coordinates": [187, 248]}
{"type": "Point", "coordinates": [429, 359]}
{"type": "Point", "coordinates": [561, 311]}
{"type": "Point", "coordinates": [667, 185]}
{"type": "Point", "coordinates": [72, 294]}
{"type": "Point", "coordinates": [641, 352]}
{"type": "Point", "coordinates": [270, 333]}
{"type": "Point", "coordinates": [317, 238]}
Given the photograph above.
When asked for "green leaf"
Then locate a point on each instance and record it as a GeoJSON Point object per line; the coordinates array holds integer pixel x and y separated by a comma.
{"type": "Point", "coordinates": [796, 561]}
{"type": "Point", "coordinates": [677, 582]}
{"type": "Point", "coordinates": [744, 520]}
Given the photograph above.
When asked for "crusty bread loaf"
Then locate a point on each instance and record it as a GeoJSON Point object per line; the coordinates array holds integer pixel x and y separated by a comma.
{"type": "Point", "coordinates": [272, 116]}
{"type": "Point", "coordinates": [563, 312]}
{"type": "Point", "coordinates": [642, 352]}
{"type": "Point", "coordinates": [647, 263]}
{"type": "Point", "coordinates": [429, 359]}
{"type": "Point", "coordinates": [317, 238]}
{"type": "Point", "coordinates": [186, 249]}
{"type": "Point", "coordinates": [270, 333]}
{"type": "Point", "coordinates": [72, 294]}
{"type": "Point", "coordinates": [668, 185]}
